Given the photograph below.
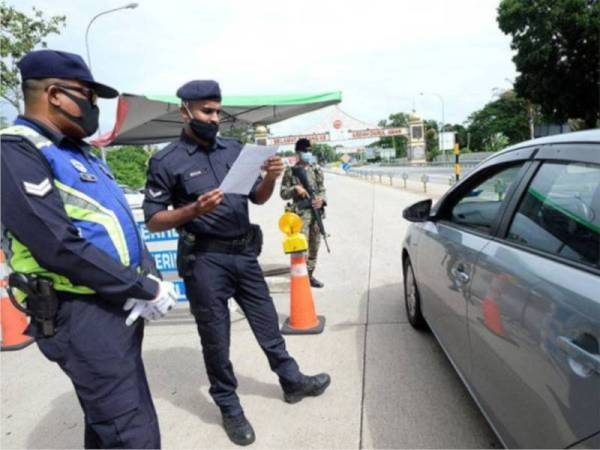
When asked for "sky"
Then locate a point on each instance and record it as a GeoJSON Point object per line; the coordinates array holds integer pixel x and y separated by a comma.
{"type": "Point", "coordinates": [380, 54]}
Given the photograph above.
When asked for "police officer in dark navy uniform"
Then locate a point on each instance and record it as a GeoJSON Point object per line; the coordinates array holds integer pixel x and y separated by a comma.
{"type": "Point", "coordinates": [76, 253]}
{"type": "Point", "coordinates": [218, 250]}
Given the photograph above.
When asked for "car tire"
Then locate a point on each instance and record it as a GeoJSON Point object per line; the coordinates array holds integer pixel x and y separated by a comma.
{"type": "Point", "coordinates": [412, 298]}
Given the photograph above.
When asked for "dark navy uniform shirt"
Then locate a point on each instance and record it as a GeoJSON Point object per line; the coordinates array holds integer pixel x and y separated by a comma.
{"type": "Point", "coordinates": [42, 225]}
{"type": "Point", "coordinates": [184, 170]}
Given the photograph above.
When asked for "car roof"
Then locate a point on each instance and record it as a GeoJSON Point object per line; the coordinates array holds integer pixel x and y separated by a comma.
{"type": "Point", "coordinates": [581, 137]}
{"type": "Point", "coordinates": [577, 137]}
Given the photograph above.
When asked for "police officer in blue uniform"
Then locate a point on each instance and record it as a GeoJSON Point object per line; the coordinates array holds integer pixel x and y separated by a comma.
{"type": "Point", "coordinates": [218, 250]}
{"type": "Point", "coordinates": [76, 253]}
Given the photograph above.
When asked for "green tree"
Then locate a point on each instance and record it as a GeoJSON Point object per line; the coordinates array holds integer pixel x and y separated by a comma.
{"type": "Point", "coordinates": [19, 35]}
{"type": "Point", "coordinates": [557, 57]}
{"type": "Point", "coordinates": [287, 153]}
{"type": "Point", "coordinates": [495, 142]}
{"type": "Point", "coordinates": [431, 140]}
{"type": "Point", "coordinates": [242, 132]}
{"type": "Point", "coordinates": [324, 152]}
{"type": "Point", "coordinates": [400, 143]}
{"type": "Point", "coordinates": [128, 164]}
{"type": "Point", "coordinates": [460, 132]}
{"type": "Point", "coordinates": [507, 115]}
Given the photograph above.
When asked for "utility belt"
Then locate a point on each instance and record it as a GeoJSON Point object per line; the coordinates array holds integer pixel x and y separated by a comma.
{"type": "Point", "coordinates": [41, 301]}
{"type": "Point", "coordinates": [190, 244]}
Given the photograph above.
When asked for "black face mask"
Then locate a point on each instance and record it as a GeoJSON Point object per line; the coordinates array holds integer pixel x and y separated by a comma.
{"type": "Point", "coordinates": [206, 131]}
{"type": "Point", "coordinates": [88, 121]}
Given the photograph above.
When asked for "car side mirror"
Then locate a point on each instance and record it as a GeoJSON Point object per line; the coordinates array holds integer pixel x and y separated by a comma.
{"type": "Point", "coordinates": [419, 212]}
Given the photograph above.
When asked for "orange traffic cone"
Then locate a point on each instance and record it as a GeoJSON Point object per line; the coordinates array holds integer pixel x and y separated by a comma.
{"type": "Point", "coordinates": [13, 322]}
{"type": "Point", "coordinates": [303, 319]}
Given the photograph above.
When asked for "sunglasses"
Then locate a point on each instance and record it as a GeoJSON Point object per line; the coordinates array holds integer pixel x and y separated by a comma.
{"type": "Point", "coordinates": [90, 94]}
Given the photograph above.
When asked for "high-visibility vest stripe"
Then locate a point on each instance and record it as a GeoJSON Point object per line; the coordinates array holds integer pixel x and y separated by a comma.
{"type": "Point", "coordinates": [78, 206]}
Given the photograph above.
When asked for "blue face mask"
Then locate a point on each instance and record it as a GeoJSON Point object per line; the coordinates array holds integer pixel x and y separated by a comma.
{"type": "Point", "coordinates": [307, 157]}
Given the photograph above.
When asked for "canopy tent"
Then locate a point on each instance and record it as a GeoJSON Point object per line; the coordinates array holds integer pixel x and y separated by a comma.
{"type": "Point", "coordinates": [156, 118]}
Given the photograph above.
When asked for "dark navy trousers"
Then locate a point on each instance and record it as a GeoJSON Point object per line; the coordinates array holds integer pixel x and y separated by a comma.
{"type": "Point", "coordinates": [217, 277]}
{"type": "Point", "coordinates": [102, 357]}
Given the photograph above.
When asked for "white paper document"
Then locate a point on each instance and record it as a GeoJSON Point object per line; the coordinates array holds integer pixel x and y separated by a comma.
{"type": "Point", "coordinates": [246, 169]}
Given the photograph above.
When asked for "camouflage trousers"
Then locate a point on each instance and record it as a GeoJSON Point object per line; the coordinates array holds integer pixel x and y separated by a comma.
{"type": "Point", "coordinates": [310, 229]}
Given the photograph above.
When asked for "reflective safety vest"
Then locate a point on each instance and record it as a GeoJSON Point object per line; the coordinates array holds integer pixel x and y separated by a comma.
{"type": "Point", "coordinates": [93, 201]}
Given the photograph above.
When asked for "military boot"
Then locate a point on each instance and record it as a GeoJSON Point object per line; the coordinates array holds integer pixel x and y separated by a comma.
{"type": "Point", "coordinates": [311, 387]}
{"type": "Point", "coordinates": [313, 281]}
{"type": "Point", "coordinates": [238, 429]}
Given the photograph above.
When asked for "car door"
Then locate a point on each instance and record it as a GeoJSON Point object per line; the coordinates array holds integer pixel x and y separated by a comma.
{"type": "Point", "coordinates": [449, 248]}
{"type": "Point", "coordinates": [534, 309]}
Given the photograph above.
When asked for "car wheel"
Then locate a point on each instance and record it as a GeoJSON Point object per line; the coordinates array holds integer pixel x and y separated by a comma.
{"type": "Point", "coordinates": [412, 299]}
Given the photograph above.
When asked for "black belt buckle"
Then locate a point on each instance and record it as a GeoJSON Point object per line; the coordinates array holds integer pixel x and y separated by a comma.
{"type": "Point", "coordinates": [228, 246]}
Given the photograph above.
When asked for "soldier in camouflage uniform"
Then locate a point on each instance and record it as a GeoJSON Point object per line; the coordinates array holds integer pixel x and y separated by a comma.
{"type": "Point", "coordinates": [292, 189]}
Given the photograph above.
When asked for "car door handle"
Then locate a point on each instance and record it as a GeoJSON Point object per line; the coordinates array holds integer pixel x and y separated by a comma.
{"type": "Point", "coordinates": [460, 275]}
{"type": "Point", "coordinates": [579, 354]}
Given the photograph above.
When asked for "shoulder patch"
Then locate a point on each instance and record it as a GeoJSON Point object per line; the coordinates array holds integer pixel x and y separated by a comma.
{"type": "Point", "coordinates": [228, 138]}
{"type": "Point", "coordinates": [229, 142]}
{"type": "Point", "coordinates": [12, 138]}
{"type": "Point", "coordinates": [29, 134]}
{"type": "Point", "coordinates": [159, 155]}
{"type": "Point", "coordinates": [38, 189]}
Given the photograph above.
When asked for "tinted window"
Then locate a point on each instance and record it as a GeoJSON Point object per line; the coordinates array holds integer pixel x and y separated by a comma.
{"type": "Point", "coordinates": [479, 208]}
{"type": "Point", "coordinates": [560, 213]}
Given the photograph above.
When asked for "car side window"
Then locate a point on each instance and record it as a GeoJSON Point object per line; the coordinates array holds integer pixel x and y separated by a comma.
{"type": "Point", "coordinates": [479, 207]}
{"type": "Point", "coordinates": [560, 212]}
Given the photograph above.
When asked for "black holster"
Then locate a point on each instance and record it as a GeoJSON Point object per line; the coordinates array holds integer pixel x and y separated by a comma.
{"type": "Point", "coordinates": [185, 253]}
{"type": "Point", "coordinates": [41, 301]}
{"type": "Point", "coordinates": [256, 238]}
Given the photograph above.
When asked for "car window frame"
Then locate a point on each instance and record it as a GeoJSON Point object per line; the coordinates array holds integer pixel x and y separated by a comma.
{"type": "Point", "coordinates": [549, 153]}
{"type": "Point", "coordinates": [484, 173]}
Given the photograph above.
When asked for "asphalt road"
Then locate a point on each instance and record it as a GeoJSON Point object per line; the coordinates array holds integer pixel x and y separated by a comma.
{"type": "Point", "coordinates": [392, 386]}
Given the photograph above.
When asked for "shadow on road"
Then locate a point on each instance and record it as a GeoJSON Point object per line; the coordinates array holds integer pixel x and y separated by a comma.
{"type": "Point", "coordinates": [175, 375]}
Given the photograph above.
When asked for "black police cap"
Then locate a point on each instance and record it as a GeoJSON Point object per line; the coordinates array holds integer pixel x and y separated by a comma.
{"type": "Point", "coordinates": [200, 90]}
{"type": "Point", "coordinates": [42, 64]}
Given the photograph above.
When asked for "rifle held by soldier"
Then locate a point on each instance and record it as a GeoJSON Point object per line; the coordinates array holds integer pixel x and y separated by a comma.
{"type": "Point", "coordinates": [300, 173]}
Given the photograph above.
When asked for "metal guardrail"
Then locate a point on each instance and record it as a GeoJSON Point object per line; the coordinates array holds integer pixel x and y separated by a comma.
{"type": "Point", "coordinates": [380, 175]}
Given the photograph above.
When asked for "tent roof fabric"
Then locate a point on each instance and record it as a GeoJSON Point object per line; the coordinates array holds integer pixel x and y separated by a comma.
{"type": "Point", "coordinates": [156, 118]}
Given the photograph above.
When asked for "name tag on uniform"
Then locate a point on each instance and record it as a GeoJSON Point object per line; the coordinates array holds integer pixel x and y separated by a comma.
{"type": "Point", "coordinates": [78, 166]}
{"type": "Point", "coordinates": [88, 177]}
{"type": "Point", "coordinates": [195, 173]}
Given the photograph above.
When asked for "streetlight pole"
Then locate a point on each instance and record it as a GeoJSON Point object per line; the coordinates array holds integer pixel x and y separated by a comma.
{"type": "Point", "coordinates": [87, 45]}
{"type": "Point", "coordinates": [443, 119]}
{"type": "Point", "coordinates": [87, 30]}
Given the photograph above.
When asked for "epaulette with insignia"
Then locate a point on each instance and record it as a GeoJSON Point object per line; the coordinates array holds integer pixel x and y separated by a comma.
{"type": "Point", "coordinates": [159, 155]}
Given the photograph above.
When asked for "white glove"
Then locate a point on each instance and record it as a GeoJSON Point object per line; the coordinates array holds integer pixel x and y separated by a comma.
{"type": "Point", "coordinates": [163, 303]}
{"type": "Point", "coordinates": [138, 308]}
{"type": "Point", "coordinates": [152, 309]}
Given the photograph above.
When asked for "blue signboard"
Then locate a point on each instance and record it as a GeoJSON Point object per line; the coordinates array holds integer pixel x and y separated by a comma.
{"type": "Point", "coordinates": [166, 260]}
{"type": "Point", "coordinates": [147, 236]}
{"type": "Point", "coordinates": [180, 289]}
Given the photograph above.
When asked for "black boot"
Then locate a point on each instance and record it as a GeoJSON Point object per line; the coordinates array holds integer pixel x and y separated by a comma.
{"type": "Point", "coordinates": [310, 387]}
{"type": "Point", "coordinates": [313, 281]}
{"type": "Point", "coordinates": [238, 429]}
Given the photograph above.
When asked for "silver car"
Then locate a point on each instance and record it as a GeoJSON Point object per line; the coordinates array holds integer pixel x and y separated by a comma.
{"type": "Point", "coordinates": [505, 271]}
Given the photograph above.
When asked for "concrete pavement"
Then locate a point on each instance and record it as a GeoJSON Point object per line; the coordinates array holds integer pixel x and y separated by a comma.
{"type": "Point", "coordinates": [392, 386]}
